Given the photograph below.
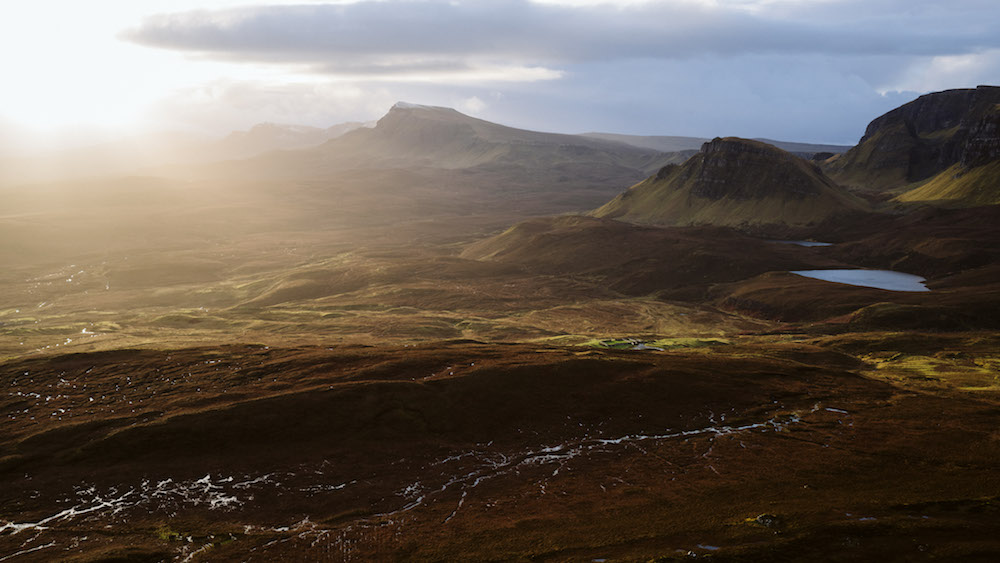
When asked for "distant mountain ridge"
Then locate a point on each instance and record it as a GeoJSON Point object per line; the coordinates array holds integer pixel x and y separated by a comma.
{"type": "Point", "coordinates": [136, 154]}
{"type": "Point", "coordinates": [678, 144]}
{"type": "Point", "coordinates": [733, 182]}
{"type": "Point", "coordinates": [265, 137]}
{"type": "Point", "coordinates": [418, 135]}
{"type": "Point", "coordinates": [423, 161]}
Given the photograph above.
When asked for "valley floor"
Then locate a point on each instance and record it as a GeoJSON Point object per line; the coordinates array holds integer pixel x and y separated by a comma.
{"type": "Point", "coordinates": [248, 393]}
{"type": "Point", "coordinates": [398, 346]}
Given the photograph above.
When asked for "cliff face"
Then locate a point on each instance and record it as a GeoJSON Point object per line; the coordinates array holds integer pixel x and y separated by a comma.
{"type": "Point", "coordinates": [921, 139]}
{"type": "Point", "coordinates": [733, 182]}
{"type": "Point", "coordinates": [938, 111]}
{"type": "Point", "coordinates": [972, 181]}
{"type": "Point", "coordinates": [983, 143]}
{"type": "Point", "coordinates": [742, 169]}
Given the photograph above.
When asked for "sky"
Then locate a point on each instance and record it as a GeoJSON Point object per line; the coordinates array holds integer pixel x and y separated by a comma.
{"type": "Point", "coordinates": [796, 70]}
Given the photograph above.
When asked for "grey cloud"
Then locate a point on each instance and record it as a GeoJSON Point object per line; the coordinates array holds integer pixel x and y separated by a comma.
{"type": "Point", "coordinates": [367, 66]}
{"type": "Point", "coordinates": [370, 35]}
{"type": "Point", "coordinates": [790, 70]}
{"type": "Point", "coordinates": [784, 98]}
{"type": "Point", "coordinates": [753, 96]}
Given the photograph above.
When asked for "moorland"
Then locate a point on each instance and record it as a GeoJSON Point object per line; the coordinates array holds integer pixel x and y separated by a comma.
{"type": "Point", "coordinates": [436, 338]}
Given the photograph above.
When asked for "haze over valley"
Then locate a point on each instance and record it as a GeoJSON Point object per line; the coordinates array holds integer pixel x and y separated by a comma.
{"type": "Point", "coordinates": [306, 329]}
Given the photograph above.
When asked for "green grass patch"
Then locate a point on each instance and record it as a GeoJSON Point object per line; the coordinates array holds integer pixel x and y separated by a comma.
{"type": "Point", "coordinates": [667, 343]}
{"type": "Point", "coordinates": [166, 533]}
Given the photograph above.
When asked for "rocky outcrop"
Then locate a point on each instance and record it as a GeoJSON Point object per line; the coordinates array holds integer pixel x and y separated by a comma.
{"type": "Point", "coordinates": [965, 169]}
{"type": "Point", "coordinates": [983, 143]}
{"type": "Point", "coordinates": [938, 111]}
{"type": "Point", "coordinates": [727, 165]}
{"type": "Point", "coordinates": [921, 139]}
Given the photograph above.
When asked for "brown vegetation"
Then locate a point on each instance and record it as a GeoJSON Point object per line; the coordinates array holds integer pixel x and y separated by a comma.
{"type": "Point", "coordinates": [390, 357]}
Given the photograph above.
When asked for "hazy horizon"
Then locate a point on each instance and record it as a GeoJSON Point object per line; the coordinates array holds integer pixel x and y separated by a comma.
{"type": "Point", "coordinates": [782, 69]}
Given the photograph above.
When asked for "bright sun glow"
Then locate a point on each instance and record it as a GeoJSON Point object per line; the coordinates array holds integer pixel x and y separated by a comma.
{"type": "Point", "coordinates": [64, 65]}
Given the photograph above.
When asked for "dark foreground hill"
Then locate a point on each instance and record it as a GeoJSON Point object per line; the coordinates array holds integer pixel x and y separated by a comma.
{"type": "Point", "coordinates": [734, 182]}
{"type": "Point", "coordinates": [637, 260]}
{"type": "Point", "coordinates": [466, 451]}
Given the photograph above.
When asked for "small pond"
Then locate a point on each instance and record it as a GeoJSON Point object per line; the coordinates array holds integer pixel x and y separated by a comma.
{"type": "Point", "coordinates": [881, 279]}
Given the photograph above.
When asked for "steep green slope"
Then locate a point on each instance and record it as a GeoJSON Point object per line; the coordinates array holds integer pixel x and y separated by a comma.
{"type": "Point", "coordinates": [958, 187]}
{"type": "Point", "coordinates": [975, 179]}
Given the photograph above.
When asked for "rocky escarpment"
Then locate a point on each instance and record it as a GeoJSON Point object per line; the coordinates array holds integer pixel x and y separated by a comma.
{"type": "Point", "coordinates": [733, 182]}
{"type": "Point", "coordinates": [970, 175]}
{"type": "Point", "coordinates": [974, 180]}
{"type": "Point", "coordinates": [983, 143]}
{"type": "Point", "coordinates": [937, 111]}
{"type": "Point", "coordinates": [921, 139]}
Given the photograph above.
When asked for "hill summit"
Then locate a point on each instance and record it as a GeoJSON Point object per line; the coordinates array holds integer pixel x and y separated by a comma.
{"type": "Point", "coordinates": [733, 182]}
{"type": "Point", "coordinates": [440, 137]}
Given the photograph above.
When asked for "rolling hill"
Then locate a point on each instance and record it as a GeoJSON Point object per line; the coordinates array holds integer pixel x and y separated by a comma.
{"type": "Point", "coordinates": [637, 260]}
{"type": "Point", "coordinates": [733, 182]}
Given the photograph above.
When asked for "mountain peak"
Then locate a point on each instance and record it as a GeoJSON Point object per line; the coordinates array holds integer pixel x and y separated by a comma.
{"type": "Point", "coordinates": [406, 113]}
{"type": "Point", "coordinates": [410, 106]}
{"type": "Point", "coordinates": [407, 105]}
{"type": "Point", "coordinates": [737, 145]}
